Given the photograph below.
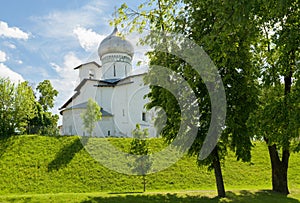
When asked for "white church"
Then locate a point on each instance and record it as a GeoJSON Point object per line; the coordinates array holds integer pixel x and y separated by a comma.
{"type": "Point", "coordinates": [115, 88]}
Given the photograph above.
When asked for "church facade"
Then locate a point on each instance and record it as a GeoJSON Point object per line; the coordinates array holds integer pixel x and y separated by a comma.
{"type": "Point", "coordinates": [118, 92]}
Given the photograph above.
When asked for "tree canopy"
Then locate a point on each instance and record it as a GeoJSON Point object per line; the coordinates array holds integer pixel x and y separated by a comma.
{"type": "Point", "coordinates": [21, 113]}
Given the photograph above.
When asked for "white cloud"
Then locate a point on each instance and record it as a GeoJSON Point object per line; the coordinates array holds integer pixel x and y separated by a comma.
{"type": "Point", "coordinates": [3, 56]}
{"type": "Point", "coordinates": [88, 39]}
{"type": "Point", "coordinates": [67, 80]}
{"type": "Point", "coordinates": [9, 45]}
{"type": "Point", "coordinates": [6, 72]}
{"type": "Point", "coordinates": [12, 32]}
{"type": "Point", "coordinates": [61, 23]}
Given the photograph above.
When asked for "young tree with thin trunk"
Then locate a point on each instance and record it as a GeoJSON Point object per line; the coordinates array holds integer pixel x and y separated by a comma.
{"type": "Point", "coordinates": [90, 116]}
{"type": "Point", "coordinates": [140, 146]}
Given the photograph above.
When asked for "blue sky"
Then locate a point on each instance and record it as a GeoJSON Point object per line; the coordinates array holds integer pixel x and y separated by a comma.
{"type": "Point", "coordinates": [46, 39]}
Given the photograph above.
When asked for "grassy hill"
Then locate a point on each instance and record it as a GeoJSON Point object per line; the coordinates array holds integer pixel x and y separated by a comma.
{"type": "Point", "coordinates": [43, 165]}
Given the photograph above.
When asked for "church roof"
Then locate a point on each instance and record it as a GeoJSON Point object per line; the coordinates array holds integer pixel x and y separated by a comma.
{"type": "Point", "coordinates": [115, 44]}
{"type": "Point", "coordinates": [112, 81]}
{"type": "Point", "coordinates": [93, 62]}
{"type": "Point", "coordinates": [84, 105]}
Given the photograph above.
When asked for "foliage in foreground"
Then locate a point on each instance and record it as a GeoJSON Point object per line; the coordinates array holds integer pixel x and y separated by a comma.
{"type": "Point", "coordinates": [253, 44]}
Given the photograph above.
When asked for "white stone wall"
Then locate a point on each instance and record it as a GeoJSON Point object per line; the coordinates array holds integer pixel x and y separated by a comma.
{"type": "Point", "coordinates": [128, 106]}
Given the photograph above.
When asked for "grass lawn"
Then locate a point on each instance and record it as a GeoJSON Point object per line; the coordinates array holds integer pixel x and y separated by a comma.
{"type": "Point", "coordinates": [58, 169]}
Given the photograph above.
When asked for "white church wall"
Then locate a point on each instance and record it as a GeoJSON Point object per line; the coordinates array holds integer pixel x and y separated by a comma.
{"type": "Point", "coordinates": [120, 109]}
{"type": "Point", "coordinates": [103, 97]}
{"type": "Point", "coordinates": [72, 123]}
{"type": "Point", "coordinates": [87, 91]}
{"type": "Point", "coordinates": [128, 107]}
{"type": "Point", "coordinates": [105, 127]}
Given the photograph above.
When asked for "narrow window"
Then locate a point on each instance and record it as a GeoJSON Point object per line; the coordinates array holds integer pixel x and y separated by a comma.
{"type": "Point", "coordinates": [108, 133]}
{"type": "Point", "coordinates": [114, 70]}
{"type": "Point", "coordinates": [91, 74]}
{"type": "Point", "coordinates": [125, 71]}
{"type": "Point", "coordinates": [143, 116]}
{"type": "Point", "coordinates": [123, 112]}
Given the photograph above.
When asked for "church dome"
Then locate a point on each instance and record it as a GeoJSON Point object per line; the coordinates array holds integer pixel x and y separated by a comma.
{"type": "Point", "coordinates": [115, 44]}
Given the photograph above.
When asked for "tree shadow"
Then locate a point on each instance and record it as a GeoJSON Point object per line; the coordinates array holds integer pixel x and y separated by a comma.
{"type": "Point", "coordinates": [148, 198]}
{"type": "Point", "coordinates": [65, 155]}
{"type": "Point", "coordinates": [123, 193]}
{"type": "Point", "coordinates": [260, 196]}
{"type": "Point", "coordinates": [241, 197]}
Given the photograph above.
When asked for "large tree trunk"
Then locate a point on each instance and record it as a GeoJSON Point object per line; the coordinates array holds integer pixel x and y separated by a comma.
{"type": "Point", "coordinates": [280, 167]}
{"type": "Point", "coordinates": [279, 170]}
{"type": "Point", "coordinates": [218, 173]}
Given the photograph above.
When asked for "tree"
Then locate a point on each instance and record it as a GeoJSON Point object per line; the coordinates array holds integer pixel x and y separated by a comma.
{"type": "Point", "coordinates": [16, 107]}
{"type": "Point", "coordinates": [139, 146]}
{"type": "Point", "coordinates": [91, 115]}
{"type": "Point", "coordinates": [44, 122]}
{"type": "Point", "coordinates": [46, 94]}
{"type": "Point", "coordinates": [226, 32]}
{"type": "Point", "coordinates": [277, 57]}
{"type": "Point", "coordinates": [23, 106]}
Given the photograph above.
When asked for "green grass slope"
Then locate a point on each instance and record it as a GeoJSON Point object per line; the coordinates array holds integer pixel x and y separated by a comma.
{"type": "Point", "coordinates": [46, 165]}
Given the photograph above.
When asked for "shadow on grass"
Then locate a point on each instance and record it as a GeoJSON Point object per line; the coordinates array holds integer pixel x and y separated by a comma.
{"type": "Point", "coordinates": [65, 155]}
{"type": "Point", "coordinates": [241, 197]}
{"type": "Point", "coordinates": [260, 196]}
{"type": "Point", "coordinates": [123, 193]}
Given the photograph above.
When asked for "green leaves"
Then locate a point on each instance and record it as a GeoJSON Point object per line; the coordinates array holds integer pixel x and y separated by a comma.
{"type": "Point", "coordinates": [47, 94]}
{"type": "Point", "coordinates": [91, 115]}
{"type": "Point", "coordinates": [16, 107]}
